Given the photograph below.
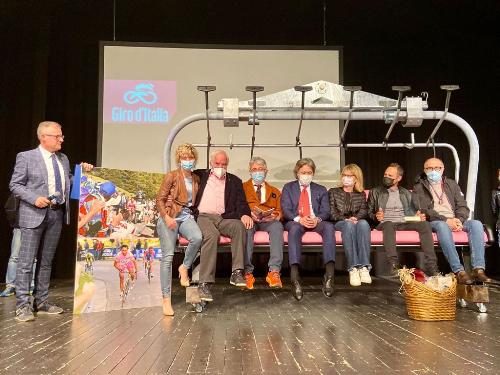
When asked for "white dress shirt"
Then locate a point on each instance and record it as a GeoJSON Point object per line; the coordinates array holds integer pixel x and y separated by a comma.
{"type": "Point", "coordinates": [50, 172]}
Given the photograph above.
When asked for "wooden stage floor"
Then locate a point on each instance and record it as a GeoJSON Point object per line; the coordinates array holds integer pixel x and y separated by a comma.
{"type": "Point", "coordinates": [362, 330]}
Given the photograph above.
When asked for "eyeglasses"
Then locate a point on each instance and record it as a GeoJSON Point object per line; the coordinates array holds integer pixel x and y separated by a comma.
{"type": "Point", "coordinates": [61, 137]}
{"type": "Point", "coordinates": [258, 170]}
{"type": "Point", "coordinates": [428, 169]}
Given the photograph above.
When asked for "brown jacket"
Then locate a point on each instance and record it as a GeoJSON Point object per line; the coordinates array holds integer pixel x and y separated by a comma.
{"type": "Point", "coordinates": [272, 197]}
{"type": "Point", "coordinates": [173, 185]}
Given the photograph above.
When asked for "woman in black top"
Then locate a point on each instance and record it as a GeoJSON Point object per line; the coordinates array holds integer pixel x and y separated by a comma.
{"type": "Point", "coordinates": [349, 210]}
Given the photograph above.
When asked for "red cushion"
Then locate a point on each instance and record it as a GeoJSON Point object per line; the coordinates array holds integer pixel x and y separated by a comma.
{"type": "Point", "coordinates": [222, 241]}
{"type": "Point", "coordinates": [403, 237]}
{"type": "Point", "coordinates": [261, 238]}
{"type": "Point", "coordinates": [460, 238]}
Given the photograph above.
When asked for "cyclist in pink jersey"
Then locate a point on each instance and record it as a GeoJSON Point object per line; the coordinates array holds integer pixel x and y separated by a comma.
{"type": "Point", "coordinates": [124, 260]}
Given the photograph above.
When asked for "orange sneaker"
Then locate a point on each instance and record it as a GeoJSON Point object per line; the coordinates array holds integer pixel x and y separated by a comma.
{"type": "Point", "coordinates": [250, 280]}
{"type": "Point", "coordinates": [273, 279]}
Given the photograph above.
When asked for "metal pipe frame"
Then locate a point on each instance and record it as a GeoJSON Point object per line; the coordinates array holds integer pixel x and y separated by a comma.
{"type": "Point", "coordinates": [360, 116]}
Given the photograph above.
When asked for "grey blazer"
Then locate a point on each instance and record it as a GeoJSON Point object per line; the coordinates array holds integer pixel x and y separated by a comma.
{"type": "Point", "coordinates": [30, 181]}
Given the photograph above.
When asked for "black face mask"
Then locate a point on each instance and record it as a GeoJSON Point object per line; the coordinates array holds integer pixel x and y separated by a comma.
{"type": "Point", "coordinates": [388, 182]}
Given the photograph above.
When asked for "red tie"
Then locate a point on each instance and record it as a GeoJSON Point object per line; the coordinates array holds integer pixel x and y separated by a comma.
{"type": "Point", "coordinates": [304, 209]}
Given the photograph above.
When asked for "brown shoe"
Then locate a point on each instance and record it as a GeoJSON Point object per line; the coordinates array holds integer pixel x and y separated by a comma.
{"type": "Point", "coordinates": [463, 278]}
{"type": "Point", "coordinates": [479, 275]}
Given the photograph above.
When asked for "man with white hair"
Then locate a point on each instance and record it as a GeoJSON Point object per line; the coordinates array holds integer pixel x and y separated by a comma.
{"type": "Point", "coordinates": [442, 201]}
{"type": "Point", "coordinates": [222, 210]}
{"type": "Point", "coordinates": [41, 179]}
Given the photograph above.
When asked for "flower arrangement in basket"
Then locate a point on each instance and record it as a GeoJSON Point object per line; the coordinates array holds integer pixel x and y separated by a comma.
{"type": "Point", "coordinates": [430, 299]}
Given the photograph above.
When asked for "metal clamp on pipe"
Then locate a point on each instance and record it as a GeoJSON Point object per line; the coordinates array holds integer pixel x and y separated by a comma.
{"type": "Point", "coordinates": [302, 90]}
{"type": "Point", "coordinates": [253, 120]}
{"type": "Point", "coordinates": [400, 90]}
{"type": "Point", "coordinates": [352, 90]}
{"type": "Point", "coordinates": [449, 89]}
{"type": "Point", "coordinates": [206, 90]}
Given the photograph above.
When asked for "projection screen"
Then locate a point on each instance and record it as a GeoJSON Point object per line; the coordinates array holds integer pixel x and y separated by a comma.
{"type": "Point", "coordinates": [146, 89]}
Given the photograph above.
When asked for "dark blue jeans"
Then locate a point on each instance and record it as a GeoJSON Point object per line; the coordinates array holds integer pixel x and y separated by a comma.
{"type": "Point", "coordinates": [356, 241]}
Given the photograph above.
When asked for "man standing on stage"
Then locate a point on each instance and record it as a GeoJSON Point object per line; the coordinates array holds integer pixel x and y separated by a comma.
{"type": "Point", "coordinates": [41, 180]}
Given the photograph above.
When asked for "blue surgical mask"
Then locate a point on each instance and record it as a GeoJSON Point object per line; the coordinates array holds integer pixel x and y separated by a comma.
{"type": "Point", "coordinates": [187, 165]}
{"type": "Point", "coordinates": [258, 177]}
{"type": "Point", "coordinates": [433, 176]}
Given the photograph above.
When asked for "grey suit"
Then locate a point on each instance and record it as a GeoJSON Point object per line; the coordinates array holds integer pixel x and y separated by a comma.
{"type": "Point", "coordinates": [30, 181]}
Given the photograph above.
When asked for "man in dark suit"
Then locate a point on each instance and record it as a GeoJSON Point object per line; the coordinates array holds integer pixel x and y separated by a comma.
{"type": "Point", "coordinates": [306, 208]}
{"type": "Point", "coordinates": [223, 210]}
{"type": "Point", "coordinates": [41, 179]}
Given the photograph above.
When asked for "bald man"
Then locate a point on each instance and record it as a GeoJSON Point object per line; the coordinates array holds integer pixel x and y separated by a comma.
{"type": "Point", "coordinates": [443, 203]}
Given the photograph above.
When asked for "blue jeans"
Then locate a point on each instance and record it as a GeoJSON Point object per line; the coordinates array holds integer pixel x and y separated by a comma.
{"type": "Point", "coordinates": [168, 238]}
{"type": "Point", "coordinates": [15, 246]}
{"type": "Point", "coordinates": [356, 241]}
{"type": "Point", "coordinates": [475, 232]}
{"type": "Point", "coordinates": [275, 230]}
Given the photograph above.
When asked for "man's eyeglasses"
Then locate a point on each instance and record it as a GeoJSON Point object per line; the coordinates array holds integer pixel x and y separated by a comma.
{"type": "Point", "coordinates": [428, 169]}
{"type": "Point", "coordinates": [61, 137]}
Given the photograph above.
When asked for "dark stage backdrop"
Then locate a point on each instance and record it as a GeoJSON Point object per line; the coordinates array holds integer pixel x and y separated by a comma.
{"type": "Point", "coordinates": [49, 69]}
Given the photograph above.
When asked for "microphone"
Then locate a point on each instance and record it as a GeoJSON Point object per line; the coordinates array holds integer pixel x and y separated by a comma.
{"type": "Point", "coordinates": [54, 196]}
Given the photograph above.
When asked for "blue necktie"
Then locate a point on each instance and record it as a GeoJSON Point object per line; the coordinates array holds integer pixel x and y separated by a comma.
{"type": "Point", "coordinates": [57, 177]}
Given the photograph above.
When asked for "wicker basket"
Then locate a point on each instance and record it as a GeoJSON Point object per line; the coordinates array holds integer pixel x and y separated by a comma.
{"type": "Point", "coordinates": [424, 303]}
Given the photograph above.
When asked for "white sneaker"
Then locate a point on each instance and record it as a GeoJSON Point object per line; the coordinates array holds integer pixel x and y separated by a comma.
{"type": "Point", "coordinates": [364, 275]}
{"type": "Point", "coordinates": [354, 279]}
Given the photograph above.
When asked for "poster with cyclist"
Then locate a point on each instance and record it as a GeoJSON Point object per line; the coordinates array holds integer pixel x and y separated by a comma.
{"type": "Point", "coordinates": [117, 244]}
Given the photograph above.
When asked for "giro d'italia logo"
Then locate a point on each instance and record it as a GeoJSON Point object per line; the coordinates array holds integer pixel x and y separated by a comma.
{"type": "Point", "coordinates": [143, 92]}
{"type": "Point", "coordinates": [139, 102]}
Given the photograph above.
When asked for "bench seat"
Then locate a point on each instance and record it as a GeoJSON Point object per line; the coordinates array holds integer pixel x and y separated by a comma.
{"type": "Point", "coordinates": [403, 238]}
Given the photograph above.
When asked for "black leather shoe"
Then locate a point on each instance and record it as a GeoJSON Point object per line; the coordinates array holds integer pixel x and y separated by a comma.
{"type": "Point", "coordinates": [297, 290]}
{"type": "Point", "coordinates": [328, 286]}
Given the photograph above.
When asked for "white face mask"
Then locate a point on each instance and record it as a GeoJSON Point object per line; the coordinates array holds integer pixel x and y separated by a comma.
{"type": "Point", "coordinates": [305, 179]}
{"type": "Point", "coordinates": [348, 181]}
{"type": "Point", "coordinates": [219, 172]}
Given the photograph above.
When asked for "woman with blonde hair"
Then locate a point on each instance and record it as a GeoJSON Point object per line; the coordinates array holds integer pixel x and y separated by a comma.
{"type": "Point", "coordinates": [349, 210]}
{"type": "Point", "coordinates": [176, 196]}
